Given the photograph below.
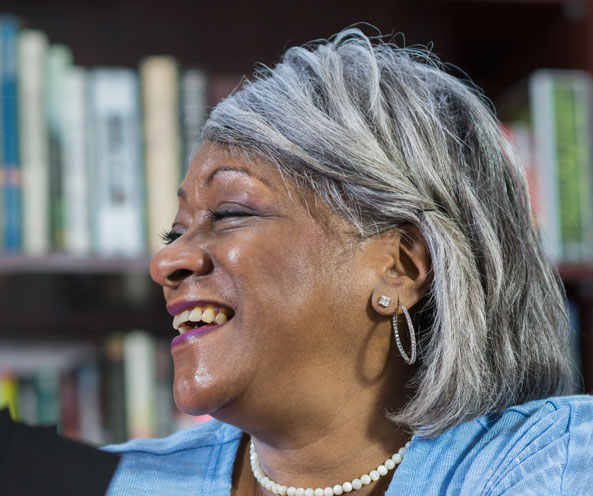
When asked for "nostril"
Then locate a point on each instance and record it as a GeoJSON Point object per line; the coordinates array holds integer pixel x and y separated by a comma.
{"type": "Point", "coordinates": [178, 275]}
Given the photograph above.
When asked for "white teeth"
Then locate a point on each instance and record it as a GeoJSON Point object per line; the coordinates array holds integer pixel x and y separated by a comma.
{"type": "Point", "coordinates": [220, 318]}
{"type": "Point", "coordinates": [208, 316]}
{"type": "Point", "coordinates": [184, 316]}
{"type": "Point", "coordinates": [196, 314]}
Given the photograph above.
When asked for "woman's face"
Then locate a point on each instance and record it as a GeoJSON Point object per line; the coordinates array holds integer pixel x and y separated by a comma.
{"type": "Point", "coordinates": [294, 287]}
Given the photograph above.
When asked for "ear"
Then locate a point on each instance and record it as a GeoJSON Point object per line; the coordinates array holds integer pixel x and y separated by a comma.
{"type": "Point", "coordinates": [404, 270]}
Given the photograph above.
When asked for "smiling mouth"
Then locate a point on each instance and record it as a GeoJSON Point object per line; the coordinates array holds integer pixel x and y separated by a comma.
{"type": "Point", "coordinates": [201, 316]}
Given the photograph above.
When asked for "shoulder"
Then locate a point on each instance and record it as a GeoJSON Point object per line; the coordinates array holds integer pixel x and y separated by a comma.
{"type": "Point", "coordinates": [541, 447]}
{"type": "Point", "coordinates": [185, 462]}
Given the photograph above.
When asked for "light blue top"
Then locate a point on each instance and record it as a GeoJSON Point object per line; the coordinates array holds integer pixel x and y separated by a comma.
{"type": "Point", "coordinates": [544, 447]}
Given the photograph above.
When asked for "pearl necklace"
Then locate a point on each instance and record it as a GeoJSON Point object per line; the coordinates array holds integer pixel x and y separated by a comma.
{"type": "Point", "coordinates": [338, 489]}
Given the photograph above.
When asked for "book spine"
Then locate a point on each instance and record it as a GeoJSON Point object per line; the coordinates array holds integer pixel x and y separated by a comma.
{"type": "Point", "coordinates": [59, 60]}
{"type": "Point", "coordinates": [194, 97]}
{"type": "Point", "coordinates": [32, 48]}
{"type": "Point", "coordinates": [160, 96]}
{"type": "Point", "coordinates": [573, 163]}
{"type": "Point", "coordinates": [113, 391]}
{"type": "Point", "coordinates": [89, 402]}
{"type": "Point", "coordinates": [9, 393]}
{"type": "Point", "coordinates": [584, 157]}
{"type": "Point", "coordinates": [117, 168]}
{"type": "Point", "coordinates": [10, 137]}
{"type": "Point", "coordinates": [140, 383]}
{"type": "Point", "coordinates": [47, 386]}
{"type": "Point", "coordinates": [541, 104]}
{"type": "Point", "coordinates": [75, 186]}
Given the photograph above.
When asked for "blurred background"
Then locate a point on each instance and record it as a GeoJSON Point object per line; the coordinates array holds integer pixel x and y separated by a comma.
{"type": "Point", "coordinates": [101, 105]}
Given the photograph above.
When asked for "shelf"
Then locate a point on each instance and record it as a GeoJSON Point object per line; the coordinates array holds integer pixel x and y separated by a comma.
{"type": "Point", "coordinates": [67, 264]}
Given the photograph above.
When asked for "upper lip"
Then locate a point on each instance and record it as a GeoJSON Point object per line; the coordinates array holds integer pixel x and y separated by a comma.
{"type": "Point", "coordinates": [179, 306]}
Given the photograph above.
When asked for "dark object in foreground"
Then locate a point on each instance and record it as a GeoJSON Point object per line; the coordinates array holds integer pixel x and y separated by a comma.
{"type": "Point", "coordinates": [36, 460]}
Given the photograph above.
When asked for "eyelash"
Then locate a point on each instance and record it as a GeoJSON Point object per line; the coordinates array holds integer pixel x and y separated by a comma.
{"type": "Point", "coordinates": [215, 215]}
{"type": "Point", "coordinates": [169, 236]}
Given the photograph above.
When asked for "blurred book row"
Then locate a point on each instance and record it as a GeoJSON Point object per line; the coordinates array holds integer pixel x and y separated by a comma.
{"type": "Point", "coordinates": [120, 392]}
{"type": "Point", "coordinates": [90, 158]}
{"type": "Point", "coordinates": [549, 119]}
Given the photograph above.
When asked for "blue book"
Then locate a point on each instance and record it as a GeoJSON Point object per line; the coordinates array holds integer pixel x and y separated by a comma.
{"type": "Point", "coordinates": [9, 138]}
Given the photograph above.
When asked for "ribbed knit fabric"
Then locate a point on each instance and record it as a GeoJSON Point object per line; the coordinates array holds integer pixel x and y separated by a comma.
{"type": "Point", "coordinates": [542, 448]}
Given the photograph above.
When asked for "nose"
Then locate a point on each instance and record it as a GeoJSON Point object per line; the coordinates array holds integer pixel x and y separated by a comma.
{"type": "Point", "coordinates": [175, 262]}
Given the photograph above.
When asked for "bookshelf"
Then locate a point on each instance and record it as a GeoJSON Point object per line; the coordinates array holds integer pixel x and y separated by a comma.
{"type": "Point", "coordinates": [85, 298]}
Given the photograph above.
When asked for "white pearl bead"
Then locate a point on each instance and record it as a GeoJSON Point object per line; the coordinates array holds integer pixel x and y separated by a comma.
{"type": "Point", "coordinates": [299, 492]}
{"type": "Point", "coordinates": [328, 491]}
{"type": "Point", "coordinates": [374, 475]}
{"type": "Point", "coordinates": [282, 490]}
{"type": "Point", "coordinates": [276, 488]}
{"type": "Point", "coordinates": [291, 491]}
{"type": "Point", "coordinates": [365, 479]}
{"type": "Point", "coordinates": [381, 470]}
{"type": "Point", "coordinates": [318, 492]}
{"type": "Point", "coordinates": [309, 492]}
{"type": "Point", "coordinates": [397, 458]}
{"type": "Point", "coordinates": [389, 463]}
{"type": "Point", "coordinates": [269, 485]}
{"type": "Point", "coordinates": [265, 480]}
{"type": "Point", "coordinates": [356, 484]}
{"type": "Point", "coordinates": [407, 445]}
{"type": "Point", "coordinates": [338, 489]}
{"type": "Point", "coordinates": [402, 452]}
{"type": "Point", "coordinates": [347, 486]}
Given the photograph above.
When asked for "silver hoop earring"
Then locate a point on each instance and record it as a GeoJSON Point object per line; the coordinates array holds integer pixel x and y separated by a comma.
{"type": "Point", "coordinates": [412, 358]}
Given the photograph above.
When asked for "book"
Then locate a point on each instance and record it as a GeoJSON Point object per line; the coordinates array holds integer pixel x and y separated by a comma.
{"type": "Point", "coordinates": [116, 177]}
{"type": "Point", "coordinates": [162, 147]}
{"type": "Point", "coordinates": [9, 135]}
{"type": "Point", "coordinates": [75, 163]}
{"type": "Point", "coordinates": [58, 62]}
{"type": "Point", "coordinates": [140, 383]}
{"type": "Point", "coordinates": [33, 134]}
{"type": "Point", "coordinates": [113, 391]}
{"type": "Point", "coordinates": [194, 95]}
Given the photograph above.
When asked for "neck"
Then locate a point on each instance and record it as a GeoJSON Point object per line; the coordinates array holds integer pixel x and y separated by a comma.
{"type": "Point", "coordinates": [339, 436]}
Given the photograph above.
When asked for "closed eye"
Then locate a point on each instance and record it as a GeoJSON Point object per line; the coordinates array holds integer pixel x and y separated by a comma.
{"type": "Point", "coordinates": [169, 236]}
{"type": "Point", "coordinates": [216, 215]}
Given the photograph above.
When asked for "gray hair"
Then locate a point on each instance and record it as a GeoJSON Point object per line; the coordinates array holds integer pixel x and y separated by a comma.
{"type": "Point", "coordinates": [387, 137]}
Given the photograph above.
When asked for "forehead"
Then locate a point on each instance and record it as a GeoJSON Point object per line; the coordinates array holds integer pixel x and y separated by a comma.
{"type": "Point", "coordinates": [212, 160]}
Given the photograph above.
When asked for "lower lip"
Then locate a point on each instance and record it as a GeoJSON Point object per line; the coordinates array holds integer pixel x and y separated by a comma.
{"type": "Point", "coordinates": [192, 335]}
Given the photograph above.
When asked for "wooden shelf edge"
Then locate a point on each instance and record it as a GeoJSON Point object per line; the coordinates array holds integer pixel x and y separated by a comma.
{"type": "Point", "coordinates": [68, 264]}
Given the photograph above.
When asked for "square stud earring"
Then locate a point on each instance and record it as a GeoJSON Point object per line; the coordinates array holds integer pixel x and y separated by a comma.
{"type": "Point", "coordinates": [384, 301]}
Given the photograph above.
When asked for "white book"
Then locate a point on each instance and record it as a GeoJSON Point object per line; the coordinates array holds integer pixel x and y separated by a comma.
{"type": "Point", "coordinates": [116, 177]}
{"type": "Point", "coordinates": [77, 238]}
{"type": "Point", "coordinates": [140, 383]}
{"type": "Point", "coordinates": [541, 103]}
{"type": "Point", "coordinates": [162, 143]}
{"type": "Point", "coordinates": [58, 62]}
{"type": "Point", "coordinates": [194, 111]}
{"type": "Point", "coordinates": [34, 152]}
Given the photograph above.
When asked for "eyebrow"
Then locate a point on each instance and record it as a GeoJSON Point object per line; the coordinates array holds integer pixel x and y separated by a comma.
{"type": "Point", "coordinates": [247, 172]}
{"type": "Point", "coordinates": [227, 168]}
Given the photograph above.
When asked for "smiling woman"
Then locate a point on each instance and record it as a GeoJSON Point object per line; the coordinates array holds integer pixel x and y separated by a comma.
{"type": "Point", "coordinates": [361, 298]}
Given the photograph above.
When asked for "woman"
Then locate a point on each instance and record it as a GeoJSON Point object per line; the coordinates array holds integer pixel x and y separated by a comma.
{"type": "Point", "coordinates": [353, 268]}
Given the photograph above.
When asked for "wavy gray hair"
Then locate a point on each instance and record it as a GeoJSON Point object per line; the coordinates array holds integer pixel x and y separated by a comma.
{"type": "Point", "coordinates": [386, 137]}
